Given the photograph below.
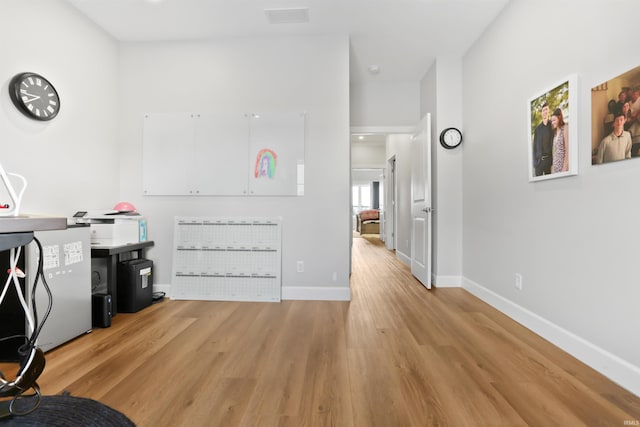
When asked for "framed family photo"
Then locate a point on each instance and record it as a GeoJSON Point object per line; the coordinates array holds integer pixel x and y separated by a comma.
{"type": "Point", "coordinates": [615, 118]}
{"type": "Point", "coordinates": [553, 141]}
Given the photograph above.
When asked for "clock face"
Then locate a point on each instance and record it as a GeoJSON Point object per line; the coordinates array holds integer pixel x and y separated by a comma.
{"type": "Point", "coordinates": [34, 96]}
{"type": "Point", "coordinates": [450, 138]}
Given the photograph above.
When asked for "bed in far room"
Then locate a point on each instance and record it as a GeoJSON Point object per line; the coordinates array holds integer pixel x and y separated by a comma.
{"type": "Point", "coordinates": [368, 222]}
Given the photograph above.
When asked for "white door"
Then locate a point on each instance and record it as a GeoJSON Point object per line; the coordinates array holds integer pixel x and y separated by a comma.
{"type": "Point", "coordinates": [390, 211]}
{"type": "Point", "coordinates": [421, 202]}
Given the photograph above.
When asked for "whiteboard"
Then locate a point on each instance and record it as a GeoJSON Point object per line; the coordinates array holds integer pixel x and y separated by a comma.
{"type": "Point", "coordinates": [221, 151]}
{"type": "Point", "coordinates": [167, 153]}
{"type": "Point", "coordinates": [218, 154]}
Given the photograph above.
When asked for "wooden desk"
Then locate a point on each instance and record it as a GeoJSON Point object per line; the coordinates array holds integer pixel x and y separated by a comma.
{"type": "Point", "coordinates": [114, 255]}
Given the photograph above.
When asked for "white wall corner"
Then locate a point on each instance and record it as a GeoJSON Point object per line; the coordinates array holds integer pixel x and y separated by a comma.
{"type": "Point", "coordinates": [613, 367]}
{"type": "Point", "coordinates": [313, 293]}
{"type": "Point", "coordinates": [406, 259]}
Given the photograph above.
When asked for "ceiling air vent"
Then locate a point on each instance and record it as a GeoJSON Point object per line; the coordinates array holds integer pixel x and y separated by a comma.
{"type": "Point", "coordinates": [287, 16]}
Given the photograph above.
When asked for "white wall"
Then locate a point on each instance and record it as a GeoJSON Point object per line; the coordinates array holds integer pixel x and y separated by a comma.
{"type": "Point", "coordinates": [365, 176]}
{"type": "Point", "coordinates": [365, 155]}
{"type": "Point", "coordinates": [70, 162]}
{"type": "Point", "coordinates": [574, 240]}
{"type": "Point", "coordinates": [246, 75]}
{"type": "Point", "coordinates": [385, 103]}
{"type": "Point", "coordinates": [400, 146]}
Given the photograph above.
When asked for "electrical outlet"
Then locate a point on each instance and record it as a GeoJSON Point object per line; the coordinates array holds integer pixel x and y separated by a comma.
{"type": "Point", "coordinates": [300, 266]}
{"type": "Point", "coordinates": [518, 283]}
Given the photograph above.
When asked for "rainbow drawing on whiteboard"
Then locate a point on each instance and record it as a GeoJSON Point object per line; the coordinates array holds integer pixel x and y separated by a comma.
{"type": "Point", "coordinates": [266, 164]}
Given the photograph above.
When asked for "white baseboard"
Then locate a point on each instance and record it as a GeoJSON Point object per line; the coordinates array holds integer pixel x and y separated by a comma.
{"type": "Point", "coordinates": [312, 293]}
{"type": "Point", "coordinates": [447, 281]}
{"type": "Point", "coordinates": [404, 258]}
{"type": "Point", "coordinates": [613, 367]}
{"type": "Point", "coordinates": [293, 293]}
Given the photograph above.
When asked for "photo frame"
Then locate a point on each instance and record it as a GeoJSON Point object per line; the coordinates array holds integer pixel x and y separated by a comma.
{"type": "Point", "coordinates": [553, 131]}
{"type": "Point", "coordinates": [615, 127]}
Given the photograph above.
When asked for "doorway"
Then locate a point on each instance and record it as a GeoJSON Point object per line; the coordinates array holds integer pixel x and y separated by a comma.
{"type": "Point", "coordinates": [369, 151]}
{"type": "Point", "coordinates": [366, 191]}
{"type": "Point", "coordinates": [376, 148]}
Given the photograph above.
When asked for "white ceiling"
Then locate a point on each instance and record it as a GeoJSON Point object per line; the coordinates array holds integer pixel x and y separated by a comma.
{"type": "Point", "coordinates": [370, 139]}
{"type": "Point", "coordinates": [402, 37]}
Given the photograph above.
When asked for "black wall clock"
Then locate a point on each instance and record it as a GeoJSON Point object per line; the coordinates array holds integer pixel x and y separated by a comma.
{"type": "Point", "coordinates": [34, 96]}
{"type": "Point", "coordinates": [450, 138]}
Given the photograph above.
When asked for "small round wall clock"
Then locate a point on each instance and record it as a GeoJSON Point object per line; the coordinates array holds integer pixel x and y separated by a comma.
{"type": "Point", "coordinates": [34, 96]}
{"type": "Point", "coordinates": [450, 138]}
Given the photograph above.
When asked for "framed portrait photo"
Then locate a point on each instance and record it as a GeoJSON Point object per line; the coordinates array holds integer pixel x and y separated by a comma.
{"type": "Point", "coordinates": [553, 125]}
{"type": "Point", "coordinates": [615, 118]}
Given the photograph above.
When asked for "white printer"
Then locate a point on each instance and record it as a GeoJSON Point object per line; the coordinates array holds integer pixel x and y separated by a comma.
{"type": "Point", "coordinates": [114, 228]}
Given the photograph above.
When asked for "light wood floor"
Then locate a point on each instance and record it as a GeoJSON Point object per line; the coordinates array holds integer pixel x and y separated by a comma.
{"type": "Point", "coordinates": [396, 355]}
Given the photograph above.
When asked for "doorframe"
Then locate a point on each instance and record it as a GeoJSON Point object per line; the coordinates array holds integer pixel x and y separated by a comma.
{"type": "Point", "coordinates": [390, 243]}
{"type": "Point", "coordinates": [391, 226]}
